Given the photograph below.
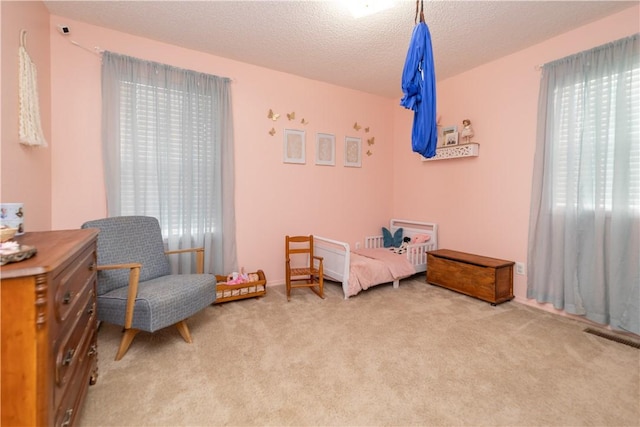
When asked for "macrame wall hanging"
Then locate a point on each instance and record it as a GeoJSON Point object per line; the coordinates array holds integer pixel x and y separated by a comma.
{"type": "Point", "coordinates": [30, 125]}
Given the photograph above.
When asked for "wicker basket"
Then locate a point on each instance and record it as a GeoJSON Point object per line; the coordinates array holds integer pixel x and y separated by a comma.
{"type": "Point", "coordinates": [7, 234]}
{"type": "Point", "coordinates": [225, 293]}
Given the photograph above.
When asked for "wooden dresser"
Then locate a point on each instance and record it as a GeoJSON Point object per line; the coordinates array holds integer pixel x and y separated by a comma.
{"type": "Point", "coordinates": [488, 279]}
{"type": "Point", "coordinates": [49, 329]}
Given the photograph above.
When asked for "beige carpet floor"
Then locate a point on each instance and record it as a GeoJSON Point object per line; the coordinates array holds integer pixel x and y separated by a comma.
{"type": "Point", "coordinates": [417, 355]}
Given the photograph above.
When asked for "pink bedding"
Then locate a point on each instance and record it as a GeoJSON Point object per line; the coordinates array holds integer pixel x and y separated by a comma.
{"type": "Point", "coordinates": [370, 267]}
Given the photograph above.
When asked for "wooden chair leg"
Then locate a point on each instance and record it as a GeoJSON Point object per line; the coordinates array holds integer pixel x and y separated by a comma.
{"type": "Point", "coordinates": [184, 330]}
{"type": "Point", "coordinates": [125, 342]}
{"type": "Point", "coordinates": [317, 292]}
{"type": "Point", "coordinates": [320, 290]}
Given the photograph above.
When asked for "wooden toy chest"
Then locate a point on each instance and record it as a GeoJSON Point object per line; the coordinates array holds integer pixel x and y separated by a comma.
{"type": "Point", "coordinates": [488, 279]}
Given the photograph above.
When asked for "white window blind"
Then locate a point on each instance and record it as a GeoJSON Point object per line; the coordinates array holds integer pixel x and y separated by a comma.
{"type": "Point", "coordinates": [585, 141]}
{"type": "Point", "coordinates": [154, 150]}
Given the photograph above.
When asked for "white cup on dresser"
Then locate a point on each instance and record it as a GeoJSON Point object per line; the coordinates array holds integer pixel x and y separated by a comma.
{"type": "Point", "coordinates": [12, 215]}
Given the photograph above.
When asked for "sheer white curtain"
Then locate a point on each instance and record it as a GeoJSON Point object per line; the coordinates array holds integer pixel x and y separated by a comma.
{"type": "Point", "coordinates": [584, 235]}
{"type": "Point", "coordinates": [167, 138]}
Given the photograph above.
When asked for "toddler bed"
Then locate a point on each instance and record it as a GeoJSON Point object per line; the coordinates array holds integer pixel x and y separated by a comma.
{"type": "Point", "coordinates": [360, 269]}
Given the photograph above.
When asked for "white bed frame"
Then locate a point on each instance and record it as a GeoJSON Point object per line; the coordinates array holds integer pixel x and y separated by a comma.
{"type": "Point", "coordinates": [337, 255]}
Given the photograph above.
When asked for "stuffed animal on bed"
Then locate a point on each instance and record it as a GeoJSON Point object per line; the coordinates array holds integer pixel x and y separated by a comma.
{"type": "Point", "coordinates": [391, 240]}
{"type": "Point", "coordinates": [403, 247]}
{"type": "Point", "coordinates": [420, 238]}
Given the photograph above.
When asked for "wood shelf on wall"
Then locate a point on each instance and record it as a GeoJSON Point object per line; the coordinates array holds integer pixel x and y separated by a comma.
{"type": "Point", "coordinates": [471, 149]}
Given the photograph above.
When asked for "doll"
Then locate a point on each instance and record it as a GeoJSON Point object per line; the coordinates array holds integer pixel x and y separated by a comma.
{"type": "Point", "coordinates": [467, 131]}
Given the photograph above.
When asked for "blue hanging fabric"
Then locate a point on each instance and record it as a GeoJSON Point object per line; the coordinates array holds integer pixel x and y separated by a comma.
{"type": "Point", "coordinates": [419, 88]}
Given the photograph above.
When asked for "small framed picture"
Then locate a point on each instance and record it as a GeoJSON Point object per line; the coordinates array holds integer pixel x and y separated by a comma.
{"type": "Point", "coordinates": [294, 146]}
{"type": "Point", "coordinates": [442, 140]}
{"type": "Point", "coordinates": [352, 152]}
{"type": "Point", "coordinates": [325, 149]}
{"type": "Point", "coordinates": [451, 139]}
{"type": "Point", "coordinates": [449, 129]}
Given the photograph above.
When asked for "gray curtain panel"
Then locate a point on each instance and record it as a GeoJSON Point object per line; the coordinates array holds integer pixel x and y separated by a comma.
{"type": "Point", "coordinates": [167, 137]}
{"type": "Point", "coordinates": [584, 234]}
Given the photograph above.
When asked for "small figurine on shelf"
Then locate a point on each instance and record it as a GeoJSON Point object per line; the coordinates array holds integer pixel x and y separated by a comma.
{"type": "Point", "coordinates": [467, 131]}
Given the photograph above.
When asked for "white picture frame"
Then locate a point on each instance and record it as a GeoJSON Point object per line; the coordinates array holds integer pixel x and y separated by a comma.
{"type": "Point", "coordinates": [449, 129]}
{"type": "Point", "coordinates": [450, 139]}
{"type": "Point", "coordinates": [325, 149]}
{"type": "Point", "coordinates": [352, 152]}
{"type": "Point", "coordinates": [294, 146]}
{"type": "Point", "coordinates": [442, 138]}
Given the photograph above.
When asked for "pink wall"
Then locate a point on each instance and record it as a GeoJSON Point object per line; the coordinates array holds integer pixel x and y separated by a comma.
{"type": "Point", "coordinates": [272, 199]}
{"type": "Point", "coordinates": [25, 172]}
{"type": "Point", "coordinates": [482, 204]}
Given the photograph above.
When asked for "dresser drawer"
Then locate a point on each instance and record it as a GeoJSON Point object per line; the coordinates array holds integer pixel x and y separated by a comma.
{"type": "Point", "coordinates": [67, 410]}
{"type": "Point", "coordinates": [70, 350]}
{"type": "Point", "coordinates": [71, 282]}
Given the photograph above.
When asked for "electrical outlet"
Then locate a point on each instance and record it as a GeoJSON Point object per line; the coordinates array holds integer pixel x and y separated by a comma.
{"type": "Point", "coordinates": [520, 268]}
{"type": "Point", "coordinates": [357, 245]}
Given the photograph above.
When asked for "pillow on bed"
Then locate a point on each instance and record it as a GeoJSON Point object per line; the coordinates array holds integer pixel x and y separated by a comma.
{"type": "Point", "coordinates": [420, 238]}
{"type": "Point", "coordinates": [391, 241]}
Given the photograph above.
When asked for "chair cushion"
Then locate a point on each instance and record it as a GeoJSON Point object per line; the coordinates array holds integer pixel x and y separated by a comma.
{"type": "Point", "coordinates": [126, 239]}
{"type": "Point", "coordinates": [161, 302]}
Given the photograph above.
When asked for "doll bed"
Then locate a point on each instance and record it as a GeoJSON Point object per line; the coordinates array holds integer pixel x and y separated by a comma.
{"type": "Point", "coordinates": [348, 267]}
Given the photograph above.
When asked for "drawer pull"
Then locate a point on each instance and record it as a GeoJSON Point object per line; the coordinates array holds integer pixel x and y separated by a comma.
{"type": "Point", "coordinates": [66, 299]}
{"type": "Point", "coordinates": [92, 266]}
{"type": "Point", "coordinates": [68, 357]}
{"type": "Point", "coordinates": [93, 350]}
{"type": "Point", "coordinates": [90, 311]}
{"type": "Point", "coordinates": [67, 418]}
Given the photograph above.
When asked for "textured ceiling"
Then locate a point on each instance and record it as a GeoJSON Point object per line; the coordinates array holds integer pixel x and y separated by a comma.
{"type": "Point", "coordinates": [320, 40]}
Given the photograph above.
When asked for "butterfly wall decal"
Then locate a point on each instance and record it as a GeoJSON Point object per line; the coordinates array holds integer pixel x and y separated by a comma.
{"type": "Point", "coordinates": [371, 140]}
{"type": "Point", "coordinates": [273, 116]}
{"type": "Point", "coordinates": [356, 126]}
{"type": "Point", "coordinates": [272, 131]}
{"type": "Point", "coordinates": [304, 122]}
{"type": "Point", "coordinates": [291, 115]}
{"type": "Point", "coordinates": [369, 152]}
{"type": "Point", "coordinates": [366, 129]}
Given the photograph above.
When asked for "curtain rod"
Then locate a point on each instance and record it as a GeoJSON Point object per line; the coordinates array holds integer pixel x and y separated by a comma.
{"type": "Point", "coordinates": [99, 51]}
{"type": "Point", "coordinates": [96, 49]}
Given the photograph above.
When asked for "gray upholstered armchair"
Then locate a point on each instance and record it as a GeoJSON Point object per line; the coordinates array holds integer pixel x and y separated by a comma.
{"type": "Point", "coordinates": [135, 287]}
